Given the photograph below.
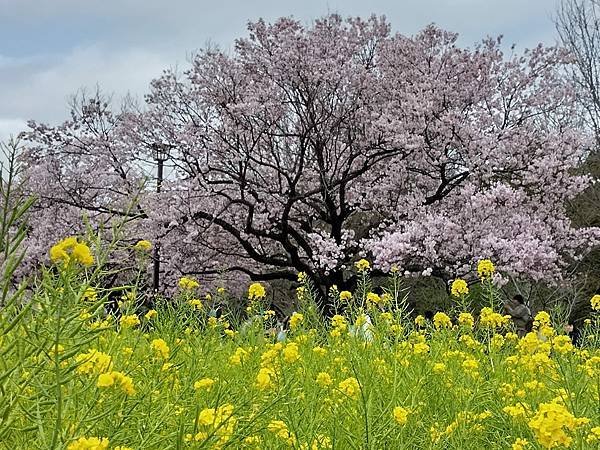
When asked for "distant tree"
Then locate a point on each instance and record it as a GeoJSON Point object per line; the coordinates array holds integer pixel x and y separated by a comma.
{"type": "Point", "coordinates": [309, 147]}
{"type": "Point", "coordinates": [578, 26]}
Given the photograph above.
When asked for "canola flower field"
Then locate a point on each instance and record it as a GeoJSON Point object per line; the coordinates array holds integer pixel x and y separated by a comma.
{"type": "Point", "coordinates": [370, 377]}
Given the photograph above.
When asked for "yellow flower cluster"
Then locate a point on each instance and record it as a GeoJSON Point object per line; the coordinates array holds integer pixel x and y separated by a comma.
{"type": "Point", "coordinates": [595, 302]}
{"type": "Point", "coordinates": [129, 321]}
{"type": "Point", "coordinates": [324, 379]}
{"type": "Point", "coordinates": [459, 288]}
{"type": "Point", "coordinates": [92, 443]}
{"type": "Point", "coordinates": [90, 294]}
{"type": "Point", "coordinates": [109, 379]}
{"type": "Point", "coordinates": [441, 320]}
{"type": "Point", "coordinates": [520, 444]}
{"type": "Point", "coordinates": [350, 387]}
{"type": "Point", "coordinates": [419, 346]}
{"type": "Point", "coordinates": [592, 366]}
{"type": "Point", "coordinates": [280, 429]}
{"type": "Point", "coordinates": [400, 415]}
{"type": "Point", "coordinates": [93, 362]}
{"type": "Point", "coordinates": [345, 296]}
{"type": "Point", "coordinates": [374, 298]}
{"type": "Point", "coordinates": [204, 384]}
{"type": "Point", "coordinates": [215, 423]}
{"type": "Point", "coordinates": [541, 319]}
{"type": "Point", "coordinates": [256, 291]}
{"type": "Point", "coordinates": [362, 265]}
{"type": "Point", "coordinates": [519, 410]}
{"type": "Point", "coordinates": [160, 347]}
{"type": "Point", "coordinates": [490, 319]}
{"type": "Point", "coordinates": [485, 269]}
{"type": "Point", "coordinates": [295, 320]}
{"type": "Point", "coordinates": [196, 304]}
{"type": "Point", "coordinates": [594, 436]}
{"type": "Point", "coordinates": [265, 379]}
{"type": "Point", "coordinates": [143, 245]}
{"type": "Point", "coordinates": [552, 423]}
{"type": "Point", "coordinates": [238, 356]}
{"type": "Point", "coordinates": [70, 249]}
{"type": "Point", "coordinates": [188, 284]}
{"type": "Point", "coordinates": [339, 325]}
{"type": "Point", "coordinates": [466, 320]}
{"type": "Point", "coordinates": [291, 352]}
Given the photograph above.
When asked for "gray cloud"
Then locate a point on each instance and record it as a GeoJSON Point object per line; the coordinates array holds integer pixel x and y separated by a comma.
{"type": "Point", "coordinates": [55, 48]}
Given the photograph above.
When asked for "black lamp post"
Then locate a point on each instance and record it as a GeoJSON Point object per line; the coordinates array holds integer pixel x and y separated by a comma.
{"type": "Point", "coordinates": [160, 153]}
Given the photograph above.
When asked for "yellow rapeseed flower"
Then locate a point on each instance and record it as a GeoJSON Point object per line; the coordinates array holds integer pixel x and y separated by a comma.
{"type": "Point", "coordinates": [93, 362]}
{"type": "Point", "coordinates": [188, 284]}
{"type": "Point", "coordinates": [143, 245]}
{"type": "Point", "coordinates": [196, 304]}
{"type": "Point", "coordinates": [319, 351]}
{"type": "Point", "coordinates": [465, 319]}
{"type": "Point", "coordinates": [594, 436]}
{"type": "Point", "coordinates": [520, 444]}
{"type": "Point", "coordinates": [256, 291]}
{"type": "Point", "coordinates": [490, 319]}
{"type": "Point", "coordinates": [372, 297]}
{"type": "Point", "coordinates": [70, 249]}
{"type": "Point", "coordinates": [280, 429]}
{"type": "Point", "coordinates": [441, 320]}
{"type": "Point", "coordinates": [324, 379]}
{"type": "Point", "coordinates": [160, 348]}
{"type": "Point", "coordinates": [595, 302]}
{"type": "Point", "coordinates": [90, 294]}
{"type": "Point", "coordinates": [92, 443]}
{"type": "Point", "coordinates": [295, 320]}
{"type": "Point", "coordinates": [362, 265]}
{"type": "Point", "coordinates": [119, 379]}
{"type": "Point", "coordinates": [265, 378]}
{"type": "Point", "coordinates": [82, 254]}
{"type": "Point", "coordinates": [459, 288]}
{"type": "Point", "coordinates": [350, 387]}
{"type": "Point", "coordinates": [204, 383]}
{"type": "Point", "coordinates": [400, 415]}
{"type": "Point", "coordinates": [345, 296]}
{"type": "Point", "coordinates": [239, 356]}
{"type": "Point", "coordinates": [129, 321]}
{"type": "Point", "coordinates": [291, 352]}
{"type": "Point", "coordinates": [439, 368]}
{"type": "Point", "coordinates": [485, 268]}
{"type": "Point", "coordinates": [552, 423]}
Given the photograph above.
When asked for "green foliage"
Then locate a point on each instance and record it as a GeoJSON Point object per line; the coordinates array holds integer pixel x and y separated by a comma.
{"type": "Point", "coordinates": [179, 377]}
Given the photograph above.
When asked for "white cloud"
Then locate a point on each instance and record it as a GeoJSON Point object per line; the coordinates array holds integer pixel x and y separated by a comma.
{"type": "Point", "coordinates": [41, 89]}
{"type": "Point", "coordinates": [11, 127]}
{"type": "Point", "coordinates": [121, 45]}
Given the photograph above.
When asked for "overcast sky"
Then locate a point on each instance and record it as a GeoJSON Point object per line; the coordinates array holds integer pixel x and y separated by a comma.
{"type": "Point", "coordinates": [49, 49]}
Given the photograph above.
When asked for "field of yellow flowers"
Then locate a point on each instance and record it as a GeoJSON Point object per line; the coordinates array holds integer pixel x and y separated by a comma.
{"type": "Point", "coordinates": [370, 377]}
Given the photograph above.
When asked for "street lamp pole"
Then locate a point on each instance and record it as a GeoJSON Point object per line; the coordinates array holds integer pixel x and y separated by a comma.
{"type": "Point", "coordinates": [160, 152]}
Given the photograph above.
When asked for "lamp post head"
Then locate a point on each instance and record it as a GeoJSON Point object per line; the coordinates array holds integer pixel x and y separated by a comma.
{"type": "Point", "coordinates": [160, 151]}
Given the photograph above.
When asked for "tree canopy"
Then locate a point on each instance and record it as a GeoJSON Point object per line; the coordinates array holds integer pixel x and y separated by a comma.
{"type": "Point", "coordinates": [308, 147]}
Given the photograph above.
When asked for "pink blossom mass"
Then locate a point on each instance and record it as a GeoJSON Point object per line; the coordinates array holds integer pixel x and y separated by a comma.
{"type": "Point", "coordinates": [308, 147]}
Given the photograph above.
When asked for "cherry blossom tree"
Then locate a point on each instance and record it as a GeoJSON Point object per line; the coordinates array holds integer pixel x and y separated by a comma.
{"type": "Point", "coordinates": [308, 147]}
